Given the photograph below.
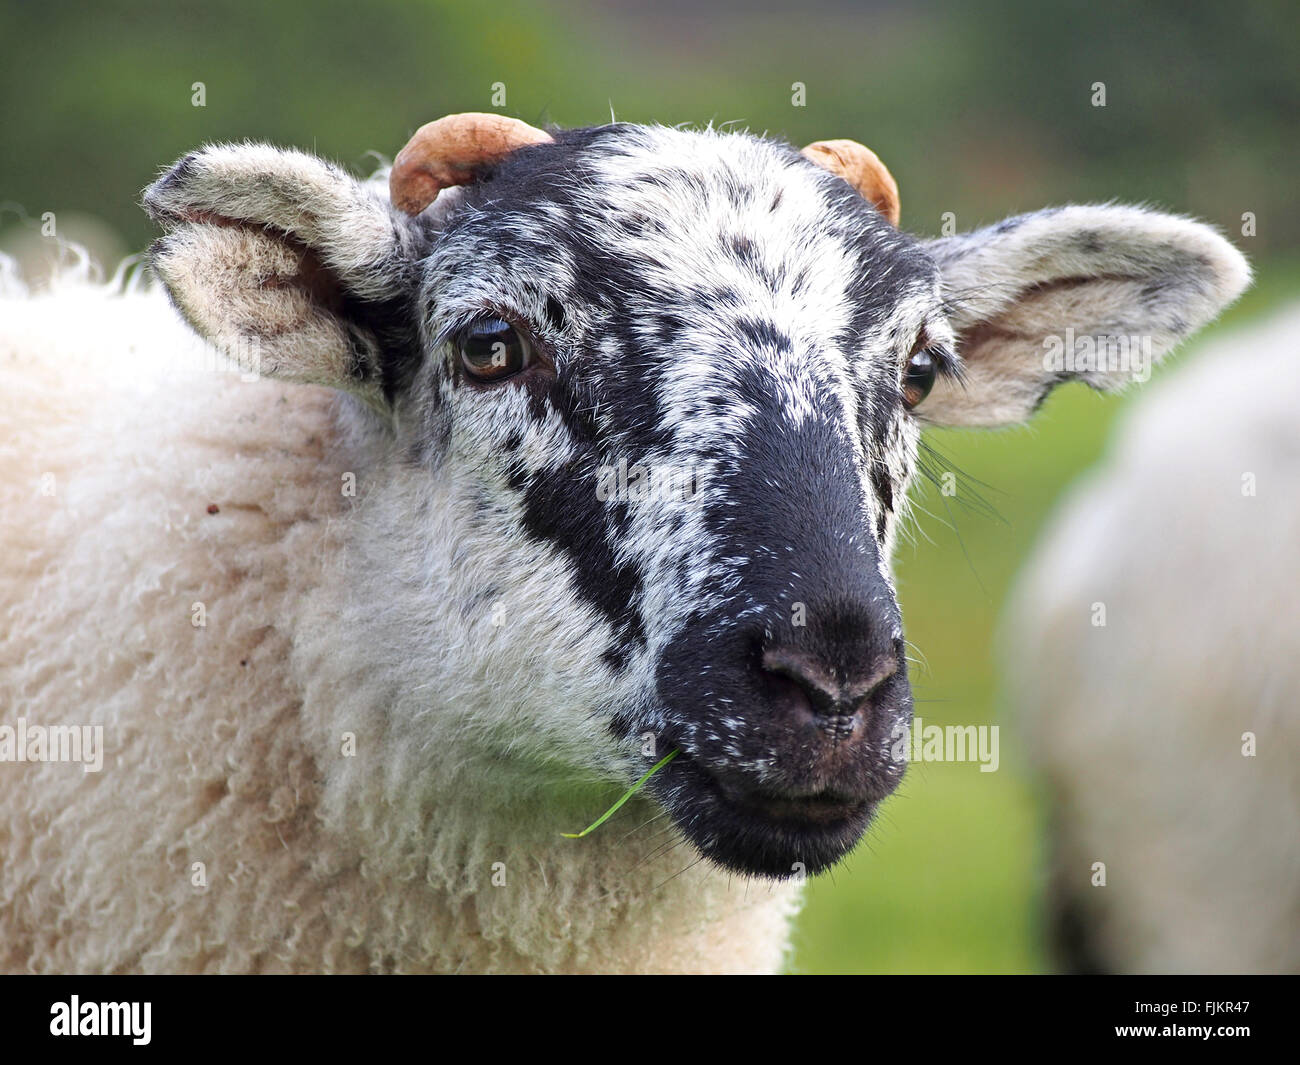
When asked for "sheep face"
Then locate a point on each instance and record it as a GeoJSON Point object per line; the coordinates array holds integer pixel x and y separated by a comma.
{"type": "Point", "coordinates": [709, 427]}
{"type": "Point", "coordinates": [652, 398]}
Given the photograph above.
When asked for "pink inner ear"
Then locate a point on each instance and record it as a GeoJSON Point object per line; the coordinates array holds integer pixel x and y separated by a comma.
{"type": "Point", "coordinates": [263, 298]}
{"type": "Point", "coordinates": [318, 281]}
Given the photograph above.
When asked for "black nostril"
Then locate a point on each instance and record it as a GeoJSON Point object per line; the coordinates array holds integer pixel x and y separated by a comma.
{"type": "Point", "coordinates": [829, 695]}
{"type": "Point", "coordinates": [816, 681]}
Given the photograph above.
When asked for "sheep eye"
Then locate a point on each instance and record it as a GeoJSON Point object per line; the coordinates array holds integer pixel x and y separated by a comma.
{"type": "Point", "coordinates": [493, 349]}
{"type": "Point", "coordinates": [918, 379]}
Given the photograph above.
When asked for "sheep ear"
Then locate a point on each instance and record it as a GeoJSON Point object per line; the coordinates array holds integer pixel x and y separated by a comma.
{"type": "Point", "coordinates": [1088, 293]}
{"type": "Point", "coordinates": [291, 266]}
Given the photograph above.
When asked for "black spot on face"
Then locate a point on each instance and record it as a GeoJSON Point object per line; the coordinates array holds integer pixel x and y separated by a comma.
{"type": "Point", "coordinates": [1090, 241]}
{"type": "Point", "coordinates": [555, 314]}
{"type": "Point", "coordinates": [883, 484]}
{"type": "Point", "coordinates": [560, 508]}
{"type": "Point", "coordinates": [743, 249]}
{"type": "Point", "coordinates": [761, 333]}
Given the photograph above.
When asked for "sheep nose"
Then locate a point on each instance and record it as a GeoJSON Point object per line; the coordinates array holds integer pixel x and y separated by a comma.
{"type": "Point", "coordinates": [835, 699]}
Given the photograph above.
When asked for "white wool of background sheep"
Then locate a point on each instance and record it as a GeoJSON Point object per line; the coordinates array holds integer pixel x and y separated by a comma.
{"type": "Point", "coordinates": [1188, 537]}
{"type": "Point", "coordinates": [309, 860]}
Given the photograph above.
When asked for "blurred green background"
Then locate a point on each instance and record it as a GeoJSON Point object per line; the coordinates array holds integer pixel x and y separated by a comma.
{"type": "Point", "coordinates": [979, 109]}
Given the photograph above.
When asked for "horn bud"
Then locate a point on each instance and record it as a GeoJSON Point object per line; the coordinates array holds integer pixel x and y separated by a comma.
{"type": "Point", "coordinates": [861, 168]}
{"type": "Point", "coordinates": [453, 151]}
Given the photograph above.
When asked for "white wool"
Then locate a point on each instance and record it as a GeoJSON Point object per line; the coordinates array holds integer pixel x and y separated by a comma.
{"type": "Point", "coordinates": [1138, 726]}
{"type": "Point", "coordinates": [224, 742]}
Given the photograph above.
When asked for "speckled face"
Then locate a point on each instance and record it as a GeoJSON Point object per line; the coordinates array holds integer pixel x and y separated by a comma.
{"type": "Point", "coordinates": [638, 410]}
{"type": "Point", "coordinates": [680, 360]}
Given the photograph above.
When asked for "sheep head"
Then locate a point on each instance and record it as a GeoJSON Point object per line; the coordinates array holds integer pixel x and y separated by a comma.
{"type": "Point", "coordinates": [644, 404]}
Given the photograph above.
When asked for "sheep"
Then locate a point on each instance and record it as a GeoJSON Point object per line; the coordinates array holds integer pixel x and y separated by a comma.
{"type": "Point", "coordinates": [1165, 728]}
{"type": "Point", "coordinates": [367, 625]}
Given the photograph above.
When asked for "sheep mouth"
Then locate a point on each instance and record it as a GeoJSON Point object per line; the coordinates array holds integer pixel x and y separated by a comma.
{"type": "Point", "coordinates": [758, 832]}
{"type": "Point", "coordinates": [812, 809]}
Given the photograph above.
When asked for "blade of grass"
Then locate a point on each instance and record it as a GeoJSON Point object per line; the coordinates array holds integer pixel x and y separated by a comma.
{"type": "Point", "coordinates": [626, 795]}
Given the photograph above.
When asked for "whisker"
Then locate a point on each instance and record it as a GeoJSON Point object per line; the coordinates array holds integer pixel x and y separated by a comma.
{"type": "Point", "coordinates": [680, 872]}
